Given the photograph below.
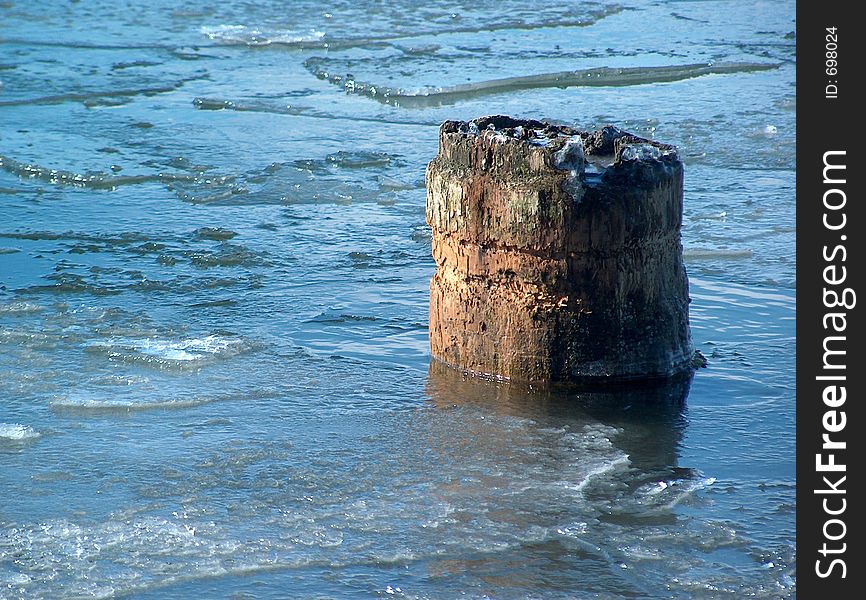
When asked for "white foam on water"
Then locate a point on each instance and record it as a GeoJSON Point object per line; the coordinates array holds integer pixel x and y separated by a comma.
{"type": "Point", "coordinates": [319, 536]}
{"type": "Point", "coordinates": [119, 380]}
{"type": "Point", "coordinates": [573, 530]}
{"type": "Point", "coordinates": [19, 308]}
{"type": "Point", "coordinates": [599, 471]}
{"type": "Point", "coordinates": [185, 349]}
{"type": "Point", "coordinates": [15, 579]}
{"type": "Point", "coordinates": [17, 433]}
{"type": "Point", "coordinates": [104, 559]}
{"type": "Point", "coordinates": [667, 494]}
{"type": "Point", "coordinates": [251, 36]}
{"type": "Point", "coordinates": [166, 352]}
{"type": "Point", "coordinates": [639, 552]}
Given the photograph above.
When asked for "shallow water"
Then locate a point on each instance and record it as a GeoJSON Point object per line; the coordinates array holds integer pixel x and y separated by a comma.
{"type": "Point", "coordinates": [214, 374]}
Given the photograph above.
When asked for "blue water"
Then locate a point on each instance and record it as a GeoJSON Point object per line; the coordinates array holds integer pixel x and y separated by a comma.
{"type": "Point", "coordinates": [214, 267]}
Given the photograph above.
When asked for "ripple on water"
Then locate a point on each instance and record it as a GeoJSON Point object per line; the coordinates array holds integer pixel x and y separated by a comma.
{"type": "Point", "coordinates": [84, 400]}
{"type": "Point", "coordinates": [133, 393]}
{"type": "Point", "coordinates": [351, 25]}
{"type": "Point", "coordinates": [339, 178]}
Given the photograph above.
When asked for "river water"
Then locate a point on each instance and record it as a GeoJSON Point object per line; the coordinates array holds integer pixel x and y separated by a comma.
{"type": "Point", "coordinates": [214, 267]}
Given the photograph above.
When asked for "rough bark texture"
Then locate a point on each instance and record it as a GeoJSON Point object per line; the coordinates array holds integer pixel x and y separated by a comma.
{"type": "Point", "coordinates": [558, 253]}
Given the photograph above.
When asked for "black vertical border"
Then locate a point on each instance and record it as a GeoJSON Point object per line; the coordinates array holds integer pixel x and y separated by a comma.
{"type": "Point", "coordinates": [826, 123]}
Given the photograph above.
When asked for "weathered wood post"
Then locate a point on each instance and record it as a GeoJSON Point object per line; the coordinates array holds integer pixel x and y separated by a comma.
{"type": "Point", "coordinates": [558, 253]}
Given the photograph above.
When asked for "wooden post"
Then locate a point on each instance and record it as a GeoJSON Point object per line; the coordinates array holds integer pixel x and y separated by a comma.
{"type": "Point", "coordinates": [558, 253]}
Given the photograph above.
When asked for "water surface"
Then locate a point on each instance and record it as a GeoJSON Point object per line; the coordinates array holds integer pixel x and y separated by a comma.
{"type": "Point", "coordinates": [214, 373]}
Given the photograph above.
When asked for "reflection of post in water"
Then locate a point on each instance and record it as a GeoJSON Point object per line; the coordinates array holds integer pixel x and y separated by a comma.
{"type": "Point", "coordinates": [566, 475]}
{"type": "Point", "coordinates": [650, 415]}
